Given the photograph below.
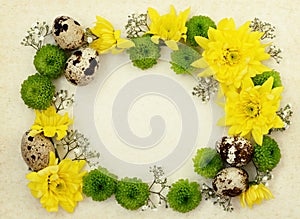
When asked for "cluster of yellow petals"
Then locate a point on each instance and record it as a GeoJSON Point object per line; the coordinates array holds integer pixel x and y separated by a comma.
{"type": "Point", "coordinates": [231, 54]}
{"type": "Point", "coordinates": [169, 27]}
{"type": "Point", "coordinates": [252, 111]}
{"type": "Point", "coordinates": [109, 40]}
{"type": "Point", "coordinates": [58, 184]}
{"type": "Point", "coordinates": [50, 123]}
{"type": "Point", "coordinates": [255, 195]}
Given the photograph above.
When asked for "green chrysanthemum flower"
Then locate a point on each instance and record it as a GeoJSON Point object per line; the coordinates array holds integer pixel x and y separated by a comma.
{"type": "Point", "coordinates": [182, 59]}
{"type": "Point", "coordinates": [132, 193]}
{"type": "Point", "coordinates": [207, 162]}
{"type": "Point", "coordinates": [184, 196]}
{"type": "Point", "coordinates": [267, 156]}
{"type": "Point", "coordinates": [50, 60]}
{"type": "Point", "coordinates": [37, 92]}
{"type": "Point", "coordinates": [198, 26]}
{"type": "Point", "coordinates": [261, 78]}
{"type": "Point", "coordinates": [99, 184]}
{"type": "Point", "coordinates": [145, 53]}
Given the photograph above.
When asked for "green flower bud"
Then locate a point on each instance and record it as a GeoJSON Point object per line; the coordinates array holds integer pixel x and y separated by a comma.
{"type": "Point", "coordinates": [259, 79]}
{"type": "Point", "coordinates": [99, 184]}
{"type": "Point", "coordinates": [37, 92]}
{"type": "Point", "coordinates": [198, 26]}
{"type": "Point", "coordinates": [267, 156]}
{"type": "Point", "coordinates": [184, 196]}
{"type": "Point", "coordinates": [49, 61]}
{"type": "Point", "coordinates": [132, 193]}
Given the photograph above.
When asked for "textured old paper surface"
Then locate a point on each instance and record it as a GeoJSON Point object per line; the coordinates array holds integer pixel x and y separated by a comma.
{"type": "Point", "coordinates": [16, 64]}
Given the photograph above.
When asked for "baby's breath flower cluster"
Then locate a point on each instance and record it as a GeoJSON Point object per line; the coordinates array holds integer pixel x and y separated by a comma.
{"type": "Point", "coordinates": [78, 144]}
{"type": "Point", "coordinates": [136, 26]}
{"type": "Point", "coordinates": [275, 53]}
{"type": "Point", "coordinates": [223, 201]}
{"type": "Point", "coordinates": [36, 34]}
{"type": "Point", "coordinates": [62, 100]}
{"type": "Point", "coordinates": [207, 86]}
{"type": "Point", "coordinates": [158, 188]}
{"type": "Point", "coordinates": [266, 28]}
{"type": "Point", "coordinates": [285, 113]}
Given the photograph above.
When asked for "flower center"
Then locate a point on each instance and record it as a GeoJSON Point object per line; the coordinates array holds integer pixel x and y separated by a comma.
{"type": "Point", "coordinates": [231, 56]}
{"type": "Point", "coordinates": [252, 110]}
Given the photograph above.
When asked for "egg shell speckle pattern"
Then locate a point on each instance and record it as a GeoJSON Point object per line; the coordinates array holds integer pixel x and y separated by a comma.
{"type": "Point", "coordinates": [231, 182]}
{"type": "Point", "coordinates": [235, 150]}
{"type": "Point", "coordinates": [82, 66]}
{"type": "Point", "coordinates": [35, 151]}
{"type": "Point", "coordinates": [67, 33]}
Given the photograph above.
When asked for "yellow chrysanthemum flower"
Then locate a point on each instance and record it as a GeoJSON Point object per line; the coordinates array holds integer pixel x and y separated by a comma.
{"type": "Point", "coordinates": [109, 40]}
{"type": "Point", "coordinates": [231, 54]}
{"type": "Point", "coordinates": [169, 27]}
{"type": "Point", "coordinates": [58, 184]}
{"type": "Point", "coordinates": [50, 123]}
{"type": "Point", "coordinates": [254, 195]}
{"type": "Point", "coordinates": [253, 110]}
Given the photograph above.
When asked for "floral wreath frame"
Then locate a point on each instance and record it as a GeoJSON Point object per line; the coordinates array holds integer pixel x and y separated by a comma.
{"type": "Point", "coordinates": [57, 177]}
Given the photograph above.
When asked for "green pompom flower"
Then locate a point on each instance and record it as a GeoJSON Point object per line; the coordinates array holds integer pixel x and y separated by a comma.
{"type": "Point", "coordinates": [132, 193]}
{"type": "Point", "coordinates": [37, 92]}
{"type": "Point", "coordinates": [184, 196]}
{"type": "Point", "coordinates": [50, 60]}
{"type": "Point", "coordinates": [145, 53]}
{"type": "Point", "coordinates": [207, 162]}
{"type": "Point", "coordinates": [99, 184]}
{"type": "Point", "coordinates": [182, 59]}
{"type": "Point", "coordinates": [267, 156]}
{"type": "Point", "coordinates": [259, 79]}
{"type": "Point", "coordinates": [198, 26]}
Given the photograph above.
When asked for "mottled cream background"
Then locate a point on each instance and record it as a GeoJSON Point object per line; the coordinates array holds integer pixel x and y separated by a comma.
{"type": "Point", "coordinates": [16, 16]}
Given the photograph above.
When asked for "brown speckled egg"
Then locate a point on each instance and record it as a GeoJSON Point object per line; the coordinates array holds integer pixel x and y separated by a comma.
{"type": "Point", "coordinates": [230, 181]}
{"type": "Point", "coordinates": [35, 151]}
{"type": "Point", "coordinates": [235, 150]}
{"type": "Point", "coordinates": [82, 66]}
{"type": "Point", "coordinates": [67, 33]}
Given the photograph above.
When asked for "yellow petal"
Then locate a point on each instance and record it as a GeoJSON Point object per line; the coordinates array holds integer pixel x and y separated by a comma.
{"type": "Point", "coordinates": [200, 63]}
{"type": "Point", "coordinates": [202, 41]}
{"type": "Point", "coordinates": [124, 44]}
{"type": "Point", "coordinates": [171, 44]}
{"type": "Point", "coordinates": [155, 39]}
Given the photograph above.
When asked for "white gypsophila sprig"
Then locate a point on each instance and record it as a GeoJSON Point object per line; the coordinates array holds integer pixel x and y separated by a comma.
{"type": "Point", "coordinates": [36, 34]}
{"type": "Point", "coordinates": [207, 86]}
{"type": "Point", "coordinates": [62, 100]}
{"type": "Point", "coordinates": [137, 25]}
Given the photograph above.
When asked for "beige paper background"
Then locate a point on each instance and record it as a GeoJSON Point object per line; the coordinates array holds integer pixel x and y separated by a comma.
{"type": "Point", "coordinates": [16, 64]}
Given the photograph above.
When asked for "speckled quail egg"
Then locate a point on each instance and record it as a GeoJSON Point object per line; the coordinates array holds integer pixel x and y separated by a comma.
{"type": "Point", "coordinates": [81, 66]}
{"type": "Point", "coordinates": [235, 150]}
{"type": "Point", "coordinates": [230, 181]}
{"type": "Point", "coordinates": [35, 151]}
{"type": "Point", "coordinates": [67, 33]}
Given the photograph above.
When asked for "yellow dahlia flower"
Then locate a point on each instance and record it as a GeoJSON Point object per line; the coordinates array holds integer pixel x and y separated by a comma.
{"type": "Point", "coordinates": [58, 184]}
{"type": "Point", "coordinates": [254, 195]}
{"type": "Point", "coordinates": [231, 54]}
{"type": "Point", "coordinates": [169, 27]}
{"type": "Point", "coordinates": [253, 110]}
{"type": "Point", "coordinates": [109, 40]}
{"type": "Point", "coordinates": [50, 123]}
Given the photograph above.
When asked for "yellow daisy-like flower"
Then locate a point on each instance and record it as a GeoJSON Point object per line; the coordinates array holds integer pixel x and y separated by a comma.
{"type": "Point", "coordinates": [50, 123]}
{"type": "Point", "coordinates": [253, 110]}
{"type": "Point", "coordinates": [231, 54]}
{"type": "Point", "coordinates": [254, 195]}
{"type": "Point", "coordinates": [169, 27]}
{"type": "Point", "coordinates": [58, 184]}
{"type": "Point", "coordinates": [109, 40]}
